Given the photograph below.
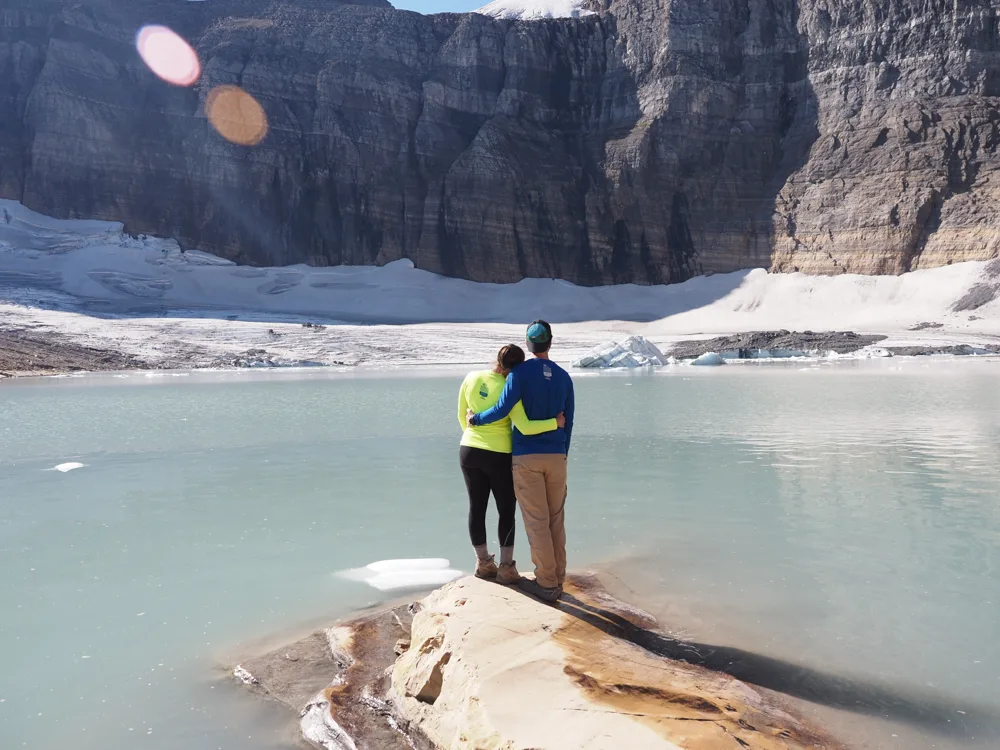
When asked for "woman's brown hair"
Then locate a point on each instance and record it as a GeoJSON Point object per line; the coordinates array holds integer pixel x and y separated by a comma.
{"type": "Point", "coordinates": [509, 357]}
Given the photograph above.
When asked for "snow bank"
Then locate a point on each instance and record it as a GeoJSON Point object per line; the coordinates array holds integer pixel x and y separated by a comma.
{"type": "Point", "coordinates": [165, 306]}
{"type": "Point", "coordinates": [765, 301]}
{"type": "Point", "coordinates": [526, 10]}
{"type": "Point", "coordinates": [634, 351]}
{"type": "Point", "coordinates": [94, 262]}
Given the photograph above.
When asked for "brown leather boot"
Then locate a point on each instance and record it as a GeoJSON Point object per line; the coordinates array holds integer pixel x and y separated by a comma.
{"type": "Point", "coordinates": [533, 587]}
{"type": "Point", "coordinates": [508, 574]}
{"type": "Point", "coordinates": [486, 568]}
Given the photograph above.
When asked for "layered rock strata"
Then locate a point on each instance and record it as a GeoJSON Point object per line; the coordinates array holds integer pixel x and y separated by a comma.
{"type": "Point", "coordinates": [489, 667]}
{"type": "Point", "coordinates": [651, 142]}
{"type": "Point", "coordinates": [477, 666]}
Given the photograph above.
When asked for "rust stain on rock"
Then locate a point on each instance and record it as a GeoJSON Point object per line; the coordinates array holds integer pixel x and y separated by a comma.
{"type": "Point", "coordinates": [693, 707]}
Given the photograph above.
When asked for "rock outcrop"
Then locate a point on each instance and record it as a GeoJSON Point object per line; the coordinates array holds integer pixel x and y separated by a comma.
{"type": "Point", "coordinates": [477, 666]}
{"type": "Point", "coordinates": [902, 172]}
{"type": "Point", "coordinates": [653, 141]}
{"type": "Point", "coordinates": [335, 681]}
{"type": "Point", "coordinates": [489, 667]}
{"type": "Point", "coordinates": [767, 344]}
{"type": "Point", "coordinates": [26, 352]}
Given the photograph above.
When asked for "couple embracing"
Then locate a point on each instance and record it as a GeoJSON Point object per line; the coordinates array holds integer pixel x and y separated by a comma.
{"type": "Point", "coordinates": [517, 420]}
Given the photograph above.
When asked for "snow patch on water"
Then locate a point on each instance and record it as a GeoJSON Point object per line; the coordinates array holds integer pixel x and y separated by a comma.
{"type": "Point", "coordinates": [869, 352]}
{"type": "Point", "coordinates": [393, 575]}
{"type": "Point", "coordinates": [418, 563]}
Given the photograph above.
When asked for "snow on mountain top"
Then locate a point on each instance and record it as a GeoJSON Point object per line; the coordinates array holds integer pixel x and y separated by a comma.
{"type": "Point", "coordinates": [526, 10]}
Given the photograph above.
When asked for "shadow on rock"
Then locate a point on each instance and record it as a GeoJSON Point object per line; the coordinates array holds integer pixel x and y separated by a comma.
{"type": "Point", "coordinates": [922, 709]}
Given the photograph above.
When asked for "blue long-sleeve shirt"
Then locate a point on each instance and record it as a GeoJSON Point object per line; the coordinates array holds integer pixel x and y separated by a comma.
{"type": "Point", "coordinates": [545, 389]}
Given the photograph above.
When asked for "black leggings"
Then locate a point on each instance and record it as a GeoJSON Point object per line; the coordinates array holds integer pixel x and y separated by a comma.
{"type": "Point", "coordinates": [485, 471]}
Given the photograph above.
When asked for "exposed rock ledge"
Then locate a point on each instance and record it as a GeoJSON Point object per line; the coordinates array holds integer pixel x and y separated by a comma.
{"type": "Point", "coordinates": [490, 668]}
{"type": "Point", "coordinates": [24, 352]}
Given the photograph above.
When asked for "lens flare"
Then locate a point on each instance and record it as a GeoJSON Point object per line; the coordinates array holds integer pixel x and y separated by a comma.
{"type": "Point", "coordinates": [168, 55]}
{"type": "Point", "coordinates": [237, 116]}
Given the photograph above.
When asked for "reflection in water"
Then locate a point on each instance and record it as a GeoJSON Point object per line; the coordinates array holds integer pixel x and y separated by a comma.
{"type": "Point", "coordinates": [924, 709]}
{"type": "Point", "coordinates": [836, 536]}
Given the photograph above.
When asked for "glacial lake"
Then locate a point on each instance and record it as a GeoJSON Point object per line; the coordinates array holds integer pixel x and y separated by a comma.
{"type": "Point", "coordinates": [832, 531]}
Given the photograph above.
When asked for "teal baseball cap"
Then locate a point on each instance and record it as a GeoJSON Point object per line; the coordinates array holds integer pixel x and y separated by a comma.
{"type": "Point", "coordinates": [538, 336]}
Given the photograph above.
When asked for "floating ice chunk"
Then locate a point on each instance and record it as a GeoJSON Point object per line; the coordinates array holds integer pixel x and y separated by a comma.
{"type": "Point", "coordinates": [413, 579]}
{"type": "Point", "coordinates": [388, 575]}
{"type": "Point", "coordinates": [709, 359]}
{"type": "Point", "coordinates": [241, 674]}
{"type": "Point", "coordinates": [418, 563]}
{"type": "Point", "coordinates": [877, 351]}
{"type": "Point", "coordinates": [635, 351]}
{"type": "Point", "coordinates": [69, 466]}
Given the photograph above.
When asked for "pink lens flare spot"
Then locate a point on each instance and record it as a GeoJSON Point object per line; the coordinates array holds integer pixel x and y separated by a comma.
{"type": "Point", "coordinates": [168, 55]}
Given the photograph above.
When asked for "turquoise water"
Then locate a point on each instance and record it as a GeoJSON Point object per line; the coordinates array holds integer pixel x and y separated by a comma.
{"type": "Point", "coordinates": [840, 526]}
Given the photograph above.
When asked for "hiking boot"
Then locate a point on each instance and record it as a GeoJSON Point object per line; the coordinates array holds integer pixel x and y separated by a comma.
{"type": "Point", "coordinates": [508, 574]}
{"type": "Point", "coordinates": [529, 586]}
{"type": "Point", "coordinates": [486, 568]}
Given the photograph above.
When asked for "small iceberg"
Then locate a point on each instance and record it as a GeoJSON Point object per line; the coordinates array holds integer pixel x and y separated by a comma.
{"type": "Point", "coordinates": [877, 352]}
{"type": "Point", "coordinates": [709, 359]}
{"type": "Point", "coordinates": [241, 674]}
{"type": "Point", "coordinates": [392, 575]}
{"type": "Point", "coordinates": [70, 466]}
{"type": "Point", "coordinates": [635, 351]}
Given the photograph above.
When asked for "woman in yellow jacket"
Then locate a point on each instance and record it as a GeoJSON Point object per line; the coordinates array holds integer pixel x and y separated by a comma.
{"type": "Point", "coordinates": [485, 458]}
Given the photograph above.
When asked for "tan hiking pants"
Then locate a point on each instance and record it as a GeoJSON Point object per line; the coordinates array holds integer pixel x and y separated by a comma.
{"type": "Point", "coordinates": [540, 486]}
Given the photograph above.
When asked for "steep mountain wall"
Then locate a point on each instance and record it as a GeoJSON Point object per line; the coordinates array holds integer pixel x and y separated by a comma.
{"type": "Point", "coordinates": [654, 141]}
{"type": "Point", "coordinates": [903, 173]}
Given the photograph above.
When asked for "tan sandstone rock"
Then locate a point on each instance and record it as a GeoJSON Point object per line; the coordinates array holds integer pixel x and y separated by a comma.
{"type": "Point", "coordinates": [490, 668]}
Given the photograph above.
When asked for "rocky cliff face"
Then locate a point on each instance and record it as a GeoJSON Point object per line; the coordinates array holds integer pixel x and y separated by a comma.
{"type": "Point", "coordinates": [902, 173]}
{"type": "Point", "coordinates": [654, 141]}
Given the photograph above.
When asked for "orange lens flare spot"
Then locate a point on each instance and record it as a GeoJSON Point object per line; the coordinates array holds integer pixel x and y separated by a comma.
{"type": "Point", "coordinates": [236, 115]}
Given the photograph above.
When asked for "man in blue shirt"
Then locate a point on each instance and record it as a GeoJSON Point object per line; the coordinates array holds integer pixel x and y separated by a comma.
{"type": "Point", "coordinates": [545, 390]}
